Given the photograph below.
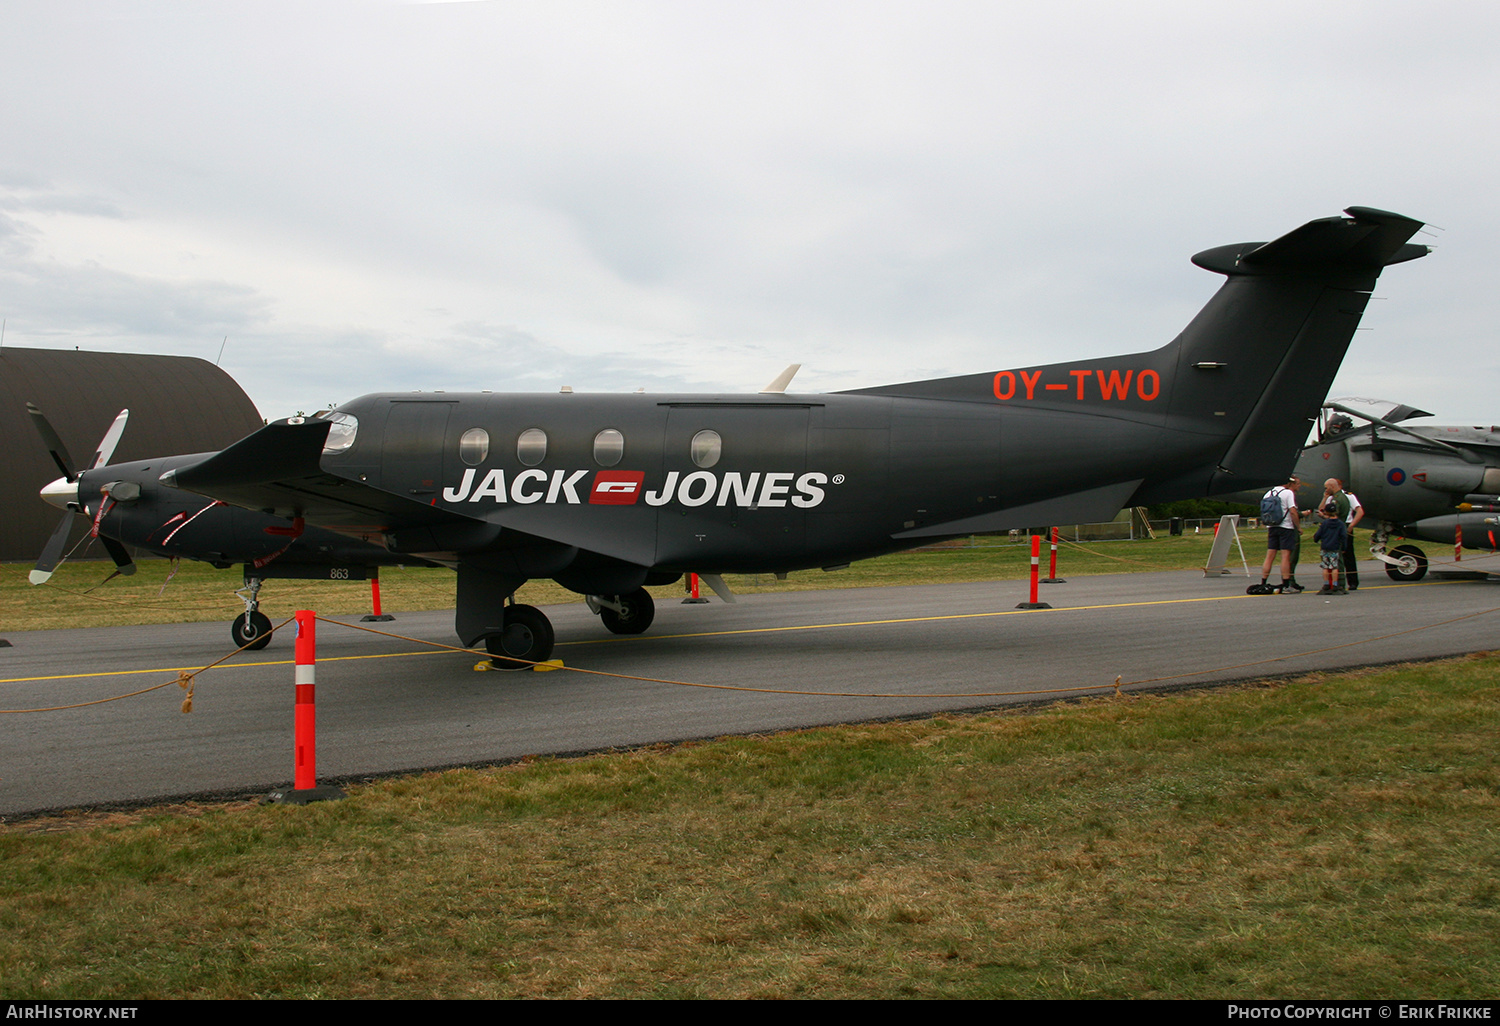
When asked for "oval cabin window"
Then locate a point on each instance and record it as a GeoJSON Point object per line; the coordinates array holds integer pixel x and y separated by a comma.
{"type": "Point", "coordinates": [474, 446]}
{"type": "Point", "coordinates": [609, 447]}
{"type": "Point", "coordinates": [531, 447]}
{"type": "Point", "coordinates": [706, 448]}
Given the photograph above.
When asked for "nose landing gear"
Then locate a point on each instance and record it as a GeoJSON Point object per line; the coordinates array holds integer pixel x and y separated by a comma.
{"type": "Point", "coordinates": [251, 630]}
{"type": "Point", "coordinates": [1405, 563]}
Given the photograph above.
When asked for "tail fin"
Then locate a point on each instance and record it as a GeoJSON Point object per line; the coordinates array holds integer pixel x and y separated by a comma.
{"type": "Point", "coordinates": [1232, 397]}
{"type": "Point", "coordinates": [1315, 282]}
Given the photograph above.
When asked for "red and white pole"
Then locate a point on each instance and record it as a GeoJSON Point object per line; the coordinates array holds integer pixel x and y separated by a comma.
{"type": "Point", "coordinates": [304, 737]}
{"type": "Point", "coordinates": [1458, 542]}
{"type": "Point", "coordinates": [305, 776]}
{"type": "Point", "coordinates": [1036, 566]}
{"type": "Point", "coordinates": [1052, 577]}
{"type": "Point", "coordinates": [1036, 562]}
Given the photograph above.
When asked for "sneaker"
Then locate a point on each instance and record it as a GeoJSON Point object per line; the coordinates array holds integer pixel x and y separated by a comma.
{"type": "Point", "coordinates": [1327, 589]}
{"type": "Point", "coordinates": [1341, 591]}
{"type": "Point", "coordinates": [1292, 586]}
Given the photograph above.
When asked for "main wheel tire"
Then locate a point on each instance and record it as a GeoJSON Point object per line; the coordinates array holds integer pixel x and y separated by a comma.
{"type": "Point", "coordinates": [251, 631]}
{"type": "Point", "coordinates": [1413, 565]}
{"type": "Point", "coordinates": [525, 638]}
{"type": "Point", "coordinates": [638, 610]}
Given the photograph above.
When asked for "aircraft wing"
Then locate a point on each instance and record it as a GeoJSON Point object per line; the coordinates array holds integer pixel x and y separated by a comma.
{"type": "Point", "coordinates": [278, 470]}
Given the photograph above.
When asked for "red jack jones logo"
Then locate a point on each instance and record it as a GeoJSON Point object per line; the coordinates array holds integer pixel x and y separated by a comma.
{"type": "Point", "coordinates": [617, 487]}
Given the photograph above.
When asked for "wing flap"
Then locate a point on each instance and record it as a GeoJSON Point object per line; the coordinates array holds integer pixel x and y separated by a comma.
{"type": "Point", "coordinates": [1092, 506]}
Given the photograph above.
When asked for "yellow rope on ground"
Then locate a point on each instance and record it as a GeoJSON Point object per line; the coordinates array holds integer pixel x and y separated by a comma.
{"type": "Point", "coordinates": [184, 680]}
{"type": "Point", "coordinates": [1117, 559]}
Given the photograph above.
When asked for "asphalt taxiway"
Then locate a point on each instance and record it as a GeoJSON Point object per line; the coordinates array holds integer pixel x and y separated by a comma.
{"type": "Point", "coordinates": [808, 658]}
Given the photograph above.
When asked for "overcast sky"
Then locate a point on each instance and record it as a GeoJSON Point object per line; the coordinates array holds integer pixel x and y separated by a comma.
{"type": "Point", "coordinates": [366, 196]}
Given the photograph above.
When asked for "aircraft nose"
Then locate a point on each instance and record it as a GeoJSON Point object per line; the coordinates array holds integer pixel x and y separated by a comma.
{"type": "Point", "coordinates": [61, 492]}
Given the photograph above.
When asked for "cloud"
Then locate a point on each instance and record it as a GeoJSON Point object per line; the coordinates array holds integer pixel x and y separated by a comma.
{"type": "Point", "coordinates": [689, 196]}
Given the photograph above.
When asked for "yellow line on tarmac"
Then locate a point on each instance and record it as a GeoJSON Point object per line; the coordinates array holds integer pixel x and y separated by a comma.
{"type": "Point", "coordinates": [954, 616]}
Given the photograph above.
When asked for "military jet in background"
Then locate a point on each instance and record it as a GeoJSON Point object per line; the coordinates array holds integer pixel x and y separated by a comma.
{"type": "Point", "coordinates": [1437, 483]}
{"type": "Point", "coordinates": [607, 494]}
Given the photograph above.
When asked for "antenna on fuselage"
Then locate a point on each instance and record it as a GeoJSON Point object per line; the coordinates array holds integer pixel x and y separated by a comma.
{"type": "Point", "coordinates": [778, 385]}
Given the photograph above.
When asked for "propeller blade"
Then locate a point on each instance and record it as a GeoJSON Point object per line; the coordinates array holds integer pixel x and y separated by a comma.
{"type": "Point", "coordinates": [55, 447]}
{"type": "Point", "coordinates": [52, 554]}
{"type": "Point", "coordinates": [124, 565]}
{"type": "Point", "coordinates": [110, 440]}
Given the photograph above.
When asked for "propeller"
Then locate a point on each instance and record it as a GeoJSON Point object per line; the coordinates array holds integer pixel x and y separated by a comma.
{"type": "Point", "coordinates": [64, 492]}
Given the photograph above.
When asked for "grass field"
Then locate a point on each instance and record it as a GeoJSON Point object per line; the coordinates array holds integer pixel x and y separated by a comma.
{"type": "Point", "coordinates": [1331, 836]}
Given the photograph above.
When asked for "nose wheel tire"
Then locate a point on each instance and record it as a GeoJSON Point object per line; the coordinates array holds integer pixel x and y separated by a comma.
{"type": "Point", "coordinates": [251, 631]}
{"type": "Point", "coordinates": [525, 638]}
{"type": "Point", "coordinates": [1413, 565]}
{"type": "Point", "coordinates": [638, 610]}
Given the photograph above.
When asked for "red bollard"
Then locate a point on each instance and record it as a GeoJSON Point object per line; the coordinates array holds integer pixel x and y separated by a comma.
{"type": "Point", "coordinates": [1052, 577]}
{"type": "Point", "coordinates": [304, 731]}
{"type": "Point", "coordinates": [377, 615]}
{"type": "Point", "coordinates": [1036, 565]}
{"type": "Point", "coordinates": [306, 775]}
{"type": "Point", "coordinates": [693, 599]}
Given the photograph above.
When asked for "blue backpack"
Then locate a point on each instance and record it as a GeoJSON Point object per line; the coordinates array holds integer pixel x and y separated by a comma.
{"type": "Point", "coordinates": [1271, 511]}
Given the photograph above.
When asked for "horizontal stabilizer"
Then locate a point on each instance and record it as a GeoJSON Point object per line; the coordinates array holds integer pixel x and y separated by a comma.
{"type": "Point", "coordinates": [1368, 239]}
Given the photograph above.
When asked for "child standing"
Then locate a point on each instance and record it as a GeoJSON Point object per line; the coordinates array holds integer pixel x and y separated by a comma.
{"type": "Point", "coordinates": [1330, 538]}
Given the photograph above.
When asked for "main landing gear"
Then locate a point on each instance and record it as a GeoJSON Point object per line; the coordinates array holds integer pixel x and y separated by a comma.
{"type": "Point", "coordinates": [525, 637]}
{"type": "Point", "coordinates": [251, 630]}
{"type": "Point", "coordinates": [631, 613]}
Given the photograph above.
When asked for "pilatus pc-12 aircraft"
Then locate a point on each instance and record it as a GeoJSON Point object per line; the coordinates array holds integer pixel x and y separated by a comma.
{"type": "Point", "coordinates": [606, 494]}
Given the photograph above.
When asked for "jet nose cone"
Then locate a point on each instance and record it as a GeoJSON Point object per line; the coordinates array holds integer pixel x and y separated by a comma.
{"type": "Point", "coordinates": [61, 492]}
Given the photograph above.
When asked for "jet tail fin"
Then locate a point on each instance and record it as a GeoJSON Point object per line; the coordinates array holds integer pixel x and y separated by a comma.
{"type": "Point", "coordinates": [1315, 281]}
{"type": "Point", "coordinates": [1227, 404]}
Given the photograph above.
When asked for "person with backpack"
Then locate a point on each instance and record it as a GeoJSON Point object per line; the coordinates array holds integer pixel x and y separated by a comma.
{"type": "Point", "coordinates": [1278, 511]}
